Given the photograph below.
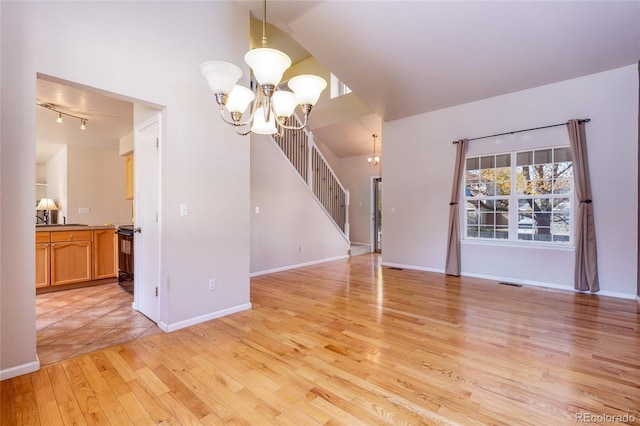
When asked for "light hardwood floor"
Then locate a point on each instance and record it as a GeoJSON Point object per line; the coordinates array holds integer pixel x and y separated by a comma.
{"type": "Point", "coordinates": [350, 342]}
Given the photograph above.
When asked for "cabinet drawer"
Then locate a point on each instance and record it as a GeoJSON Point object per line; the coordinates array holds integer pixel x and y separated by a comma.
{"type": "Point", "coordinates": [42, 237]}
{"type": "Point", "coordinates": [60, 236]}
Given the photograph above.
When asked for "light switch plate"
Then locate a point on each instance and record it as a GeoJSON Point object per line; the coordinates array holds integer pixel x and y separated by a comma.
{"type": "Point", "coordinates": [184, 210]}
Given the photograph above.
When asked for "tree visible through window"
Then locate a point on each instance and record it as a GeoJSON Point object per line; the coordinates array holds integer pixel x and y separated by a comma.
{"type": "Point", "coordinates": [520, 195]}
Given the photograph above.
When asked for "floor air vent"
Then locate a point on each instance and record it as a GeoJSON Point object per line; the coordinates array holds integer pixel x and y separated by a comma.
{"type": "Point", "coordinates": [511, 284]}
{"type": "Point", "coordinates": [395, 268]}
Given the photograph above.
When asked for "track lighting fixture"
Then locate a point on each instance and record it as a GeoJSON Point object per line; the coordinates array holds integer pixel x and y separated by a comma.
{"type": "Point", "coordinates": [52, 107]}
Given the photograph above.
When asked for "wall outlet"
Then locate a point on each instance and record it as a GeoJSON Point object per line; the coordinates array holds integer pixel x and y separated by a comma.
{"type": "Point", "coordinates": [84, 210]}
{"type": "Point", "coordinates": [301, 248]}
{"type": "Point", "coordinates": [212, 284]}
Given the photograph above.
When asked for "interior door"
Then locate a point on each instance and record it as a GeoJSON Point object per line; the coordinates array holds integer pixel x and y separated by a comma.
{"type": "Point", "coordinates": [146, 218]}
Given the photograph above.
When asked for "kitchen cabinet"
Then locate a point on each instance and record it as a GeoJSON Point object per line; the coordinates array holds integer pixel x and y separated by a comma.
{"type": "Point", "coordinates": [43, 255]}
{"type": "Point", "coordinates": [78, 255]}
{"type": "Point", "coordinates": [70, 257]}
{"type": "Point", "coordinates": [105, 254]}
{"type": "Point", "coordinates": [128, 167]}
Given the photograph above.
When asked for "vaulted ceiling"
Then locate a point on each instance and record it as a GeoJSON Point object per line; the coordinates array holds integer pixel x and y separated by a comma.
{"type": "Point", "coordinates": [404, 58]}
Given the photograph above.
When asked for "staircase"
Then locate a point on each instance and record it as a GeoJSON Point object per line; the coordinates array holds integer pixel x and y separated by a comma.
{"type": "Point", "coordinates": [315, 172]}
{"type": "Point", "coordinates": [358, 249]}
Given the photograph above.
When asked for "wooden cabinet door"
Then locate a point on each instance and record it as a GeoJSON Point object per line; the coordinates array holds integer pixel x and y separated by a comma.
{"type": "Point", "coordinates": [105, 255]}
{"type": "Point", "coordinates": [128, 164]}
{"type": "Point", "coordinates": [70, 262]}
{"type": "Point", "coordinates": [43, 251]}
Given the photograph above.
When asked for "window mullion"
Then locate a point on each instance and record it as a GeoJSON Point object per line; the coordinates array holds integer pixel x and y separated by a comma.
{"type": "Point", "coordinates": [513, 202]}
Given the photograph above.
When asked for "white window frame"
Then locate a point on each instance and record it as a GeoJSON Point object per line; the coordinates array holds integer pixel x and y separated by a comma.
{"type": "Point", "coordinates": [513, 200]}
{"type": "Point", "coordinates": [337, 87]}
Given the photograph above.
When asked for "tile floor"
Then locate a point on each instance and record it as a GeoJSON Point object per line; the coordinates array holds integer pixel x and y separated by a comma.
{"type": "Point", "coordinates": [74, 322]}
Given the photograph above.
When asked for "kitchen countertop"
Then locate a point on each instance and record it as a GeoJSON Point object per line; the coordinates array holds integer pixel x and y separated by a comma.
{"type": "Point", "coordinates": [71, 227]}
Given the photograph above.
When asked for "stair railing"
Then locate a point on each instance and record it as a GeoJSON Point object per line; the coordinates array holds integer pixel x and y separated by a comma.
{"type": "Point", "coordinates": [313, 168]}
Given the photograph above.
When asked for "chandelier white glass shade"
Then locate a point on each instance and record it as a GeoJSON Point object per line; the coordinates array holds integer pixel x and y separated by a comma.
{"type": "Point", "coordinates": [274, 106]}
{"type": "Point", "coordinates": [271, 106]}
{"type": "Point", "coordinates": [374, 159]}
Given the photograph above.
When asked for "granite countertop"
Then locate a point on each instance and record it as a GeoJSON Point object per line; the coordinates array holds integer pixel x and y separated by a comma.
{"type": "Point", "coordinates": [71, 227]}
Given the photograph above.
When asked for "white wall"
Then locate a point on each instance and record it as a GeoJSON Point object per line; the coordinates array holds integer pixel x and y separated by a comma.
{"type": "Point", "coordinates": [41, 180]}
{"type": "Point", "coordinates": [96, 180]}
{"type": "Point", "coordinates": [57, 183]}
{"type": "Point", "coordinates": [146, 51]}
{"type": "Point", "coordinates": [418, 169]}
{"type": "Point", "coordinates": [327, 111]}
{"type": "Point", "coordinates": [125, 145]}
{"type": "Point", "coordinates": [289, 216]}
{"type": "Point", "coordinates": [357, 176]}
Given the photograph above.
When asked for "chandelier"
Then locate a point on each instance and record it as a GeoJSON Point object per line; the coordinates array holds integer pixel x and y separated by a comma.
{"type": "Point", "coordinates": [273, 106]}
{"type": "Point", "coordinates": [374, 160]}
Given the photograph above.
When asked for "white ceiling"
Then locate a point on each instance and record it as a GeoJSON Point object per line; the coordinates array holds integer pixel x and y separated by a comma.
{"type": "Point", "coordinates": [401, 58]}
{"type": "Point", "coordinates": [404, 58]}
{"type": "Point", "coordinates": [108, 118]}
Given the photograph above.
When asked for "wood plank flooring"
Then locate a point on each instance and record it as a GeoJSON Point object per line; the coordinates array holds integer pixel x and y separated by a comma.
{"type": "Point", "coordinates": [351, 343]}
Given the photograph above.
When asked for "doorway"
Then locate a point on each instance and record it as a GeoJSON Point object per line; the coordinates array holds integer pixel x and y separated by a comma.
{"type": "Point", "coordinates": [80, 320]}
{"type": "Point", "coordinates": [377, 214]}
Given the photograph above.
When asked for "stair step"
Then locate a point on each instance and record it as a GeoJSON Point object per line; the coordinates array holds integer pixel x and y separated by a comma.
{"type": "Point", "coordinates": [358, 249]}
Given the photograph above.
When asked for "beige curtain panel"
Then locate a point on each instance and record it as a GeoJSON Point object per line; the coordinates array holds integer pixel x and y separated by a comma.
{"type": "Point", "coordinates": [586, 264]}
{"type": "Point", "coordinates": [452, 265]}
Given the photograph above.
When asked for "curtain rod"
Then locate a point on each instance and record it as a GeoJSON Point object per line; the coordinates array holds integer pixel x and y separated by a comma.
{"type": "Point", "coordinates": [586, 120]}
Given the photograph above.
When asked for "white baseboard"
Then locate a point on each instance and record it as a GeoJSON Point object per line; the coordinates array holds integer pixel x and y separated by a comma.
{"type": "Point", "coordinates": [355, 243]}
{"type": "Point", "coordinates": [549, 285]}
{"type": "Point", "coordinates": [518, 281]}
{"type": "Point", "coordinates": [202, 318]}
{"type": "Point", "coordinates": [415, 268]}
{"type": "Point", "coordinates": [19, 370]}
{"type": "Point", "coordinates": [299, 265]}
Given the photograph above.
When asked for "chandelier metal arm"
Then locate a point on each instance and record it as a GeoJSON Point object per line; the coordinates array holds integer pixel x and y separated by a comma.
{"type": "Point", "coordinates": [236, 124]}
{"type": "Point", "coordinates": [242, 133]}
{"type": "Point", "coordinates": [230, 121]}
{"type": "Point", "coordinates": [222, 100]}
{"type": "Point", "coordinates": [283, 123]}
{"type": "Point", "coordinates": [306, 109]}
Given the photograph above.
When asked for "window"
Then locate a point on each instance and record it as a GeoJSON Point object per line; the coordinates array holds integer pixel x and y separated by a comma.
{"type": "Point", "coordinates": [338, 88]}
{"type": "Point", "coordinates": [523, 195]}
